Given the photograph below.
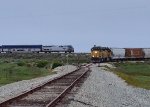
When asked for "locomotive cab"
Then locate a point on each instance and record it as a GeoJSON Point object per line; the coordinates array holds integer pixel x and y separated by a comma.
{"type": "Point", "coordinates": [100, 54]}
{"type": "Point", "coordinates": [96, 54]}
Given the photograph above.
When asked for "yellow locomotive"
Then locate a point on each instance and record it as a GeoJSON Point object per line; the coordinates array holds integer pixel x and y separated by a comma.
{"type": "Point", "coordinates": [100, 54]}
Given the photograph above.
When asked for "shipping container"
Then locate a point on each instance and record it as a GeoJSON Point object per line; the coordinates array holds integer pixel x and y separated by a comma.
{"type": "Point", "coordinates": [118, 53]}
{"type": "Point", "coordinates": [134, 53]}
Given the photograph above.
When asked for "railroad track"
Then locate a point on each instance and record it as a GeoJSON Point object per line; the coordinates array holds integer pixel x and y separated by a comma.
{"type": "Point", "coordinates": [50, 93]}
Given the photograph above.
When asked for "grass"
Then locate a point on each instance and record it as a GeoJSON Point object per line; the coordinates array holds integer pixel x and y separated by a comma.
{"type": "Point", "coordinates": [16, 67]}
{"type": "Point", "coordinates": [12, 72]}
{"type": "Point", "coordinates": [136, 74]}
{"type": "Point", "coordinates": [51, 57]}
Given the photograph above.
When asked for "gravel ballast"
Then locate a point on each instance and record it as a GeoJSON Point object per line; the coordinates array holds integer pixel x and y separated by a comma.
{"type": "Point", "coordinates": [105, 89]}
{"type": "Point", "coordinates": [11, 90]}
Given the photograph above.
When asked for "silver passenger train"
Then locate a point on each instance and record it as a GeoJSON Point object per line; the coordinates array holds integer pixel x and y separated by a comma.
{"type": "Point", "coordinates": [35, 48]}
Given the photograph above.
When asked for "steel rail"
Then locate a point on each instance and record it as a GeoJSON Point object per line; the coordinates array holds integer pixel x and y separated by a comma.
{"type": "Point", "coordinates": [56, 100]}
{"type": "Point", "coordinates": [3, 104]}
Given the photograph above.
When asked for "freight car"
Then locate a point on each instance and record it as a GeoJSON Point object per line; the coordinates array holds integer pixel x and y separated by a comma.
{"type": "Point", "coordinates": [119, 54]}
{"type": "Point", "coordinates": [147, 53]}
{"type": "Point", "coordinates": [134, 54]}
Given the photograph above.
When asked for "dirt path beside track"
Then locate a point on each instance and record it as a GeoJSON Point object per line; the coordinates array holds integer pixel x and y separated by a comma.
{"type": "Point", "coordinates": [105, 89]}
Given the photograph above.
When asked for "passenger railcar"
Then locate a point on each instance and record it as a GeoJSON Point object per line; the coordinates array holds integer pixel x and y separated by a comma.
{"type": "Point", "coordinates": [21, 48]}
{"type": "Point", "coordinates": [35, 48]}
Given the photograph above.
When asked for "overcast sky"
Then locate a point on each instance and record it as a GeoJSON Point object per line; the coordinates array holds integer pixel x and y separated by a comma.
{"type": "Point", "coordinates": [81, 23]}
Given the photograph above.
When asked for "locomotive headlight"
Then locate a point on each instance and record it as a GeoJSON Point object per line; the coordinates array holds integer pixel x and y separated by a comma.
{"type": "Point", "coordinates": [93, 56]}
{"type": "Point", "coordinates": [96, 52]}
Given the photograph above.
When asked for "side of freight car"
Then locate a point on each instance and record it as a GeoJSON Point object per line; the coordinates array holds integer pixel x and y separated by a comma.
{"type": "Point", "coordinates": [134, 53]}
{"type": "Point", "coordinates": [147, 53]}
{"type": "Point", "coordinates": [118, 54]}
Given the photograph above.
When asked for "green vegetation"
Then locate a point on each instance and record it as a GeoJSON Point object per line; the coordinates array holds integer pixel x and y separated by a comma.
{"type": "Point", "coordinates": [50, 57]}
{"type": "Point", "coordinates": [56, 64]}
{"type": "Point", "coordinates": [42, 64]}
{"type": "Point", "coordinates": [12, 71]}
{"type": "Point", "coordinates": [22, 66]}
{"type": "Point", "coordinates": [20, 63]}
{"type": "Point", "coordinates": [137, 74]}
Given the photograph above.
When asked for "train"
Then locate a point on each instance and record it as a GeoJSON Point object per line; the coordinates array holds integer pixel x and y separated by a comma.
{"type": "Point", "coordinates": [36, 48]}
{"type": "Point", "coordinates": [105, 54]}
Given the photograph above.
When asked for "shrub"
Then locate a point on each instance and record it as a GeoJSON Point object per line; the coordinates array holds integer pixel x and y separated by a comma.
{"type": "Point", "coordinates": [21, 63]}
{"type": "Point", "coordinates": [29, 65]}
{"type": "Point", "coordinates": [6, 61]}
{"type": "Point", "coordinates": [56, 64]}
{"type": "Point", "coordinates": [41, 64]}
